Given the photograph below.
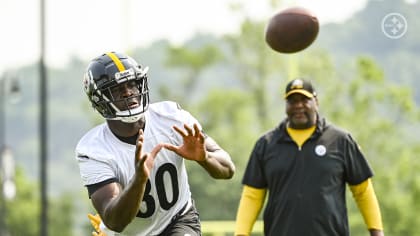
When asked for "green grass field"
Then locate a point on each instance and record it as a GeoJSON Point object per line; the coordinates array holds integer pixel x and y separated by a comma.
{"type": "Point", "coordinates": [223, 228]}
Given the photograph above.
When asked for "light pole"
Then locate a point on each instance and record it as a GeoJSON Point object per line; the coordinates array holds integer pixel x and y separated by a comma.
{"type": "Point", "coordinates": [43, 137]}
{"type": "Point", "coordinates": [7, 166]}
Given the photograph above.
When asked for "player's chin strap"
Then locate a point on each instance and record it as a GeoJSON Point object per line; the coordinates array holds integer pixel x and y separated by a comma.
{"type": "Point", "coordinates": [126, 117]}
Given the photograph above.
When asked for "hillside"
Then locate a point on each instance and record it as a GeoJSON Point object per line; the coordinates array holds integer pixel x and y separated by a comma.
{"type": "Point", "coordinates": [70, 115]}
{"type": "Point", "coordinates": [363, 35]}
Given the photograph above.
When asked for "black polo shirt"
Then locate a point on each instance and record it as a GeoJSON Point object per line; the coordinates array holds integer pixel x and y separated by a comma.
{"type": "Point", "coordinates": [306, 186]}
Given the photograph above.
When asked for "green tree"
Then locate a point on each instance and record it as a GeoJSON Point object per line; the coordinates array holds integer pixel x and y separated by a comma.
{"type": "Point", "coordinates": [388, 111]}
{"type": "Point", "coordinates": [255, 64]}
{"type": "Point", "coordinates": [22, 212]}
{"type": "Point", "coordinates": [60, 215]}
{"type": "Point", "coordinates": [225, 115]}
{"type": "Point", "coordinates": [192, 61]}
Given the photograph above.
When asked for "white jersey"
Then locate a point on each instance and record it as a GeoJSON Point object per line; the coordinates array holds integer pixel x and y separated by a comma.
{"type": "Point", "coordinates": [102, 156]}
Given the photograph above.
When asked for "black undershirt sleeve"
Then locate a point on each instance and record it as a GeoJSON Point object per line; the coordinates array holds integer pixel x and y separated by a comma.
{"type": "Point", "coordinates": [93, 187]}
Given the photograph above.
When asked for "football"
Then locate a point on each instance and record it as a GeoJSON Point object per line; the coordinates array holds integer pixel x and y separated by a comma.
{"type": "Point", "coordinates": [291, 30]}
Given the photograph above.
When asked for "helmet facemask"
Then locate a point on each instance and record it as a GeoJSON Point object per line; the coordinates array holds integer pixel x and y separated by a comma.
{"type": "Point", "coordinates": [112, 106]}
{"type": "Point", "coordinates": [125, 113]}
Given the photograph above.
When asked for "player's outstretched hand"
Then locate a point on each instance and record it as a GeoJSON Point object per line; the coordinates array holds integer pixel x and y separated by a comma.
{"type": "Point", "coordinates": [193, 147]}
{"type": "Point", "coordinates": [95, 220]}
{"type": "Point", "coordinates": [144, 161]}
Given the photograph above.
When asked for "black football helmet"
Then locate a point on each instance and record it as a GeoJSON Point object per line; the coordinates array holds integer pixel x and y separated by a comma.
{"type": "Point", "coordinates": [108, 71]}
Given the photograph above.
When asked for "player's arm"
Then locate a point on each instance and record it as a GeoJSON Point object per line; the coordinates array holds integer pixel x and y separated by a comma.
{"type": "Point", "coordinates": [218, 162]}
{"type": "Point", "coordinates": [250, 205]}
{"type": "Point", "coordinates": [204, 150]}
{"type": "Point", "coordinates": [118, 207]}
{"type": "Point", "coordinates": [367, 203]}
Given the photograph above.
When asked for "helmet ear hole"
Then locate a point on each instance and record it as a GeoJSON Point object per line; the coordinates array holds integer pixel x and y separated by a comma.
{"type": "Point", "coordinates": [110, 70]}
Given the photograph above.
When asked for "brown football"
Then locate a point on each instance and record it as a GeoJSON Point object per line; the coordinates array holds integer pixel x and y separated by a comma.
{"type": "Point", "coordinates": [291, 30]}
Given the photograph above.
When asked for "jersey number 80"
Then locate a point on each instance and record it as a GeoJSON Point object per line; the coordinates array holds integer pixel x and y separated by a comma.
{"type": "Point", "coordinates": [161, 191]}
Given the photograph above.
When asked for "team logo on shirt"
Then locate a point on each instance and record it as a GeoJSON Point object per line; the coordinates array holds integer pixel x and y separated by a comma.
{"type": "Point", "coordinates": [320, 150]}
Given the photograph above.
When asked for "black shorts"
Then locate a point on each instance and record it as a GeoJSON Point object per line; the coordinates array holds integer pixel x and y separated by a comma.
{"type": "Point", "coordinates": [187, 224]}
